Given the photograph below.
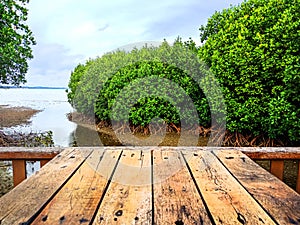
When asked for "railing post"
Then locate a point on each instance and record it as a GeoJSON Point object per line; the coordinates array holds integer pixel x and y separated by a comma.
{"type": "Point", "coordinates": [19, 171]}
{"type": "Point", "coordinates": [277, 167]}
{"type": "Point", "coordinates": [298, 178]}
{"type": "Point", "coordinates": [43, 162]}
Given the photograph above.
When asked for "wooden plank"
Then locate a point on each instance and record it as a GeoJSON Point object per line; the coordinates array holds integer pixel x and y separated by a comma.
{"type": "Point", "coordinates": [277, 167]}
{"type": "Point", "coordinates": [24, 201]}
{"type": "Point", "coordinates": [19, 171]}
{"type": "Point", "coordinates": [128, 199]}
{"type": "Point", "coordinates": [281, 202]}
{"type": "Point", "coordinates": [227, 201]}
{"type": "Point", "coordinates": [11, 153]}
{"type": "Point", "coordinates": [176, 199]}
{"type": "Point", "coordinates": [298, 179]}
{"type": "Point", "coordinates": [78, 199]}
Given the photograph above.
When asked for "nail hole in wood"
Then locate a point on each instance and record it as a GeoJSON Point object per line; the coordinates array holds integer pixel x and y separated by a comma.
{"type": "Point", "coordinates": [83, 220]}
{"type": "Point", "coordinates": [119, 213]}
{"type": "Point", "coordinates": [44, 219]}
{"type": "Point", "coordinates": [62, 218]}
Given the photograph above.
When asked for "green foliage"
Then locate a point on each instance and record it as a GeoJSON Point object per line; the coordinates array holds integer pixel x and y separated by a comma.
{"type": "Point", "coordinates": [15, 41]}
{"type": "Point", "coordinates": [165, 100]}
{"type": "Point", "coordinates": [108, 76]}
{"type": "Point", "coordinates": [253, 49]}
{"type": "Point", "coordinates": [75, 78]}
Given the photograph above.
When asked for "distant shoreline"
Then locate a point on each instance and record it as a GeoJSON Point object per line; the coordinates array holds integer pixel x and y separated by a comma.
{"type": "Point", "coordinates": [30, 87]}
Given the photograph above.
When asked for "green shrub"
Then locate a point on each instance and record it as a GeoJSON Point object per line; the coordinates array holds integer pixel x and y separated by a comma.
{"type": "Point", "coordinates": [166, 101]}
{"type": "Point", "coordinates": [253, 49]}
{"type": "Point", "coordinates": [75, 79]}
{"type": "Point", "coordinates": [105, 78]}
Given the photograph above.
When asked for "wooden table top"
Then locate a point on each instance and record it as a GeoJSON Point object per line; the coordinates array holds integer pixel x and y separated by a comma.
{"type": "Point", "coordinates": [150, 185]}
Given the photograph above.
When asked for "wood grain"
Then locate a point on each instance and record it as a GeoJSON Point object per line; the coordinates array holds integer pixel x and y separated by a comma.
{"type": "Point", "coordinates": [78, 199]}
{"type": "Point", "coordinates": [282, 203]}
{"type": "Point", "coordinates": [23, 202]}
{"type": "Point", "coordinates": [227, 201]}
{"type": "Point", "coordinates": [176, 198]}
{"type": "Point", "coordinates": [128, 198]}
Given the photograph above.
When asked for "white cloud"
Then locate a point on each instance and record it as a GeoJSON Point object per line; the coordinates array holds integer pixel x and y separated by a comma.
{"type": "Point", "coordinates": [70, 31]}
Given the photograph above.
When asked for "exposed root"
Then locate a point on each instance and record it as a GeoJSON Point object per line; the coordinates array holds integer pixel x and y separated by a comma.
{"type": "Point", "coordinates": [239, 140]}
{"type": "Point", "coordinates": [234, 139]}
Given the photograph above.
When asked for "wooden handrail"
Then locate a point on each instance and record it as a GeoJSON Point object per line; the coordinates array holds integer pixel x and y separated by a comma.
{"type": "Point", "coordinates": [276, 157]}
{"type": "Point", "coordinates": [19, 156]}
{"type": "Point", "coordinates": [12, 153]}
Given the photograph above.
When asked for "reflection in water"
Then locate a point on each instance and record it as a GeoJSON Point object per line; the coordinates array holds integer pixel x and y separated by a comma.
{"type": "Point", "coordinates": [85, 136]}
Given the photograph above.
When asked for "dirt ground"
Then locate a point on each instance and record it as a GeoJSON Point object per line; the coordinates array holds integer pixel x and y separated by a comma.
{"type": "Point", "coordinates": [13, 116]}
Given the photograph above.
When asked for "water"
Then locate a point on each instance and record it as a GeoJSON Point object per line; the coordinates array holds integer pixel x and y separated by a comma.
{"type": "Point", "coordinates": [54, 106]}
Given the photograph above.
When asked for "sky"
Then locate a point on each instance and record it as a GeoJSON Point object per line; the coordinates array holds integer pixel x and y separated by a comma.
{"type": "Point", "coordinates": [69, 32]}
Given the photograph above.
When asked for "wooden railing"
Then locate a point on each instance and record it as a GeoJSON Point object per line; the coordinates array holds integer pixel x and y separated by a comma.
{"type": "Point", "coordinates": [19, 156]}
{"type": "Point", "coordinates": [276, 156]}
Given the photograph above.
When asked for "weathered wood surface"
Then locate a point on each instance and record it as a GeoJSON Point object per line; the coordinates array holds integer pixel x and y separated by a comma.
{"type": "Point", "coordinates": [153, 185]}
{"type": "Point", "coordinates": [280, 201]}
{"type": "Point", "coordinates": [23, 202]}
{"type": "Point", "coordinates": [128, 198]}
{"type": "Point", "coordinates": [176, 196]}
{"type": "Point", "coordinates": [227, 200]}
{"type": "Point", "coordinates": [79, 197]}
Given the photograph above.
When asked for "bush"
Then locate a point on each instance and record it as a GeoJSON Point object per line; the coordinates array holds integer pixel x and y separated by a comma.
{"type": "Point", "coordinates": [162, 99]}
{"type": "Point", "coordinates": [75, 78]}
{"type": "Point", "coordinates": [253, 50]}
{"type": "Point", "coordinates": [104, 79]}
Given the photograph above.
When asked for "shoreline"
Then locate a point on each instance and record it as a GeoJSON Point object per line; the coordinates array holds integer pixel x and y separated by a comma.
{"type": "Point", "coordinates": [11, 116]}
{"type": "Point", "coordinates": [230, 139]}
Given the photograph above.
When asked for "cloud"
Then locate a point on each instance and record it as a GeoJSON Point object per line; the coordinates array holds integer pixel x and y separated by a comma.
{"type": "Point", "coordinates": [51, 65]}
{"type": "Point", "coordinates": [71, 31]}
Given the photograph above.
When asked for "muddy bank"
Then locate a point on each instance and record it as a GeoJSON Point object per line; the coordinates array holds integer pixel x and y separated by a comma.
{"type": "Point", "coordinates": [91, 133]}
{"type": "Point", "coordinates": [14, 116]}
